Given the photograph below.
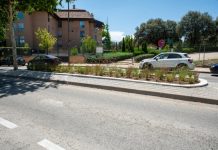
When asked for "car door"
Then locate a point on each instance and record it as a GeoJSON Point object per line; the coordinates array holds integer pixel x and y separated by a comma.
{"type": "Point", "coordinates": [160, 61]}
{"type": "Point", "coordinates": [173, 60]}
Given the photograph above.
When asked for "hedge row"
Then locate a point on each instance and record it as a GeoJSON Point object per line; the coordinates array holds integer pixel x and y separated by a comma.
{"type": "Point", "coordinates": [108, 57]}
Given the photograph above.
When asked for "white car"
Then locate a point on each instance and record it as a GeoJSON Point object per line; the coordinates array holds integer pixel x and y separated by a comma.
{"type": "Point", "coordinates": [168, 60]}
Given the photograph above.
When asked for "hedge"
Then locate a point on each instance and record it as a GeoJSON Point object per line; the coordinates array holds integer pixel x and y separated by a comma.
{"type": "Point", "coordinates": [108, 57]}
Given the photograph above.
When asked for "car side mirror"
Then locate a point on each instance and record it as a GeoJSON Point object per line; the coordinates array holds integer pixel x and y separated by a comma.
{"type": "Point", "coordinates": [156, 58]}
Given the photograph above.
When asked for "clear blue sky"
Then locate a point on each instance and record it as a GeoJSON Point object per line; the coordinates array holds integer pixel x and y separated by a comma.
{"type": "Point", "coordinates": [125, 15]}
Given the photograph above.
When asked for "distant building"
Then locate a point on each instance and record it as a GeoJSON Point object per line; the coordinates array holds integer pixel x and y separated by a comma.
{"type": "Point", "coordinates": [82, 24]}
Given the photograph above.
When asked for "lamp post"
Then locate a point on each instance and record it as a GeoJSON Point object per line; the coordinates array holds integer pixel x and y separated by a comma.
{"type": "Point", "coordinates": [68, 28]}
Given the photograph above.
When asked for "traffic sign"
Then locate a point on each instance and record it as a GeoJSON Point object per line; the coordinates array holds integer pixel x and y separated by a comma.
{"type": "Point", "coordinates": [161, 43]}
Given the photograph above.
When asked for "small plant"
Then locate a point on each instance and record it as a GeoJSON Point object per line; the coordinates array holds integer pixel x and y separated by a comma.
{"type": "Point", "coordinates": [74, 51]}
{"type": "Point", "coordinates": [170, 77]}
{"type": "Point", "coordinates": [81, 70]}
{"type": "Point", "coordinates": [129, 72]}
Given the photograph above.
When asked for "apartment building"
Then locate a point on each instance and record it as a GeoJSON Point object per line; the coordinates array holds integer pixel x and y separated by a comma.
{"type": "Point", "coordinates": [81, 24]}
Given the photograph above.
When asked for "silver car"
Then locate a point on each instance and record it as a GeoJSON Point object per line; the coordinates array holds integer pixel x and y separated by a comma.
{"type": "Point", "coordinates": [168, 60]}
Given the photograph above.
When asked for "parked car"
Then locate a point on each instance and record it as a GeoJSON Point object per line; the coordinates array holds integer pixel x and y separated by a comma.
{"type": "Point", "coordinates": [168, 60]}
{"type": "Point", "coordinates": [43, 62]}
{"type": "Point", "coordinates": [214, 68]}
{"type": "Point", "coordinates": [9, 61]}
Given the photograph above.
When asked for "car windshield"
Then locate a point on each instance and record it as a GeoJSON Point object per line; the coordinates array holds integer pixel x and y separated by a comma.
{"type": "Point", "coordinates": [186, 55]}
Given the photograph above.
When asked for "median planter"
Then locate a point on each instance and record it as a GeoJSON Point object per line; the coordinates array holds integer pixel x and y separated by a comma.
{"type": "Point", "coordinates": [181, 76]}
{"type": "Point", "coordinates": [78, 59]}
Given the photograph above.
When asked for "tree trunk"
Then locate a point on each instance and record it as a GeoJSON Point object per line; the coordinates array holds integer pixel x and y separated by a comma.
{"type": "Point", "coordinates": [12, 35]}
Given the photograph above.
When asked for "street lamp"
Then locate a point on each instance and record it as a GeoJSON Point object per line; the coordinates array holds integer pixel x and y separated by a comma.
{"type": "Point", "coordinates": [68, 28]}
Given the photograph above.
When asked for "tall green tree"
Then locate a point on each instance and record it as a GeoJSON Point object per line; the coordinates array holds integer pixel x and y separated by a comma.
{"type": "Point", "coordinates": [3, 19]}
{"type": "Point", "coordinates": [123, 45]}
{"type": "Point", "coordinates": [129, 43]}
{"type": "Point", "coordinates": [154, 30]}
{"type": "Point", "coordinates": [46, 39]}
{"type": "Point", "coordinates": [196, 27]}
{"type": "Point", "coordinates": [25, 6]}
{"type": "Point", "coordinates": [106, 37]}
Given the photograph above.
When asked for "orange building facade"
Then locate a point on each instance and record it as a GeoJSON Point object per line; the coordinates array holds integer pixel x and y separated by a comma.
{"type": "Point", "coordinates": [81, 24]}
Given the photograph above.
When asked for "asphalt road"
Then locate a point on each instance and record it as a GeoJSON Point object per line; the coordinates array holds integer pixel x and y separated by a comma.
{"type": "Point", "coordinates": [40, 115]}
{"type": "Point", "coordinates": [211, 78]}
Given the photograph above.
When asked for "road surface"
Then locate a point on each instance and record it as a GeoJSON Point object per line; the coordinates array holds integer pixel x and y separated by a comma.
{"type": "Point", "coordinates": [40, 115]}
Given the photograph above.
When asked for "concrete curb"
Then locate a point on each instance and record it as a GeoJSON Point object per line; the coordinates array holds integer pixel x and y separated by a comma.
{"type": "Point", "coordinates": [119, 89]}
{"type": "Point", "coordinates": [202, 83]}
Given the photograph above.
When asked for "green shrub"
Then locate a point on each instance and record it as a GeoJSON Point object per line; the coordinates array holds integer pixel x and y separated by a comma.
{"type": "Point", "coordinates": [108, 57]}
{"type": "Point", "coordinates": [188, 50]}
{"type": "Point", "coordinates": [74, 51]}
{"type": "Point", "coordinates": [143, 56]}
{"type": "Point", "coordinates": [170, 77]}
{"type": "Point", "coordinates": [153, 51]}
{"type": "Point", "coordinates": [88, 45]}
{"type": "Point", "coordinates": [138, 52]}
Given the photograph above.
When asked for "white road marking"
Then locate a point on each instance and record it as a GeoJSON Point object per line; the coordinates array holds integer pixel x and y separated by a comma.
{"type": "Point", "coordinates": [7, 123]}
{"type": "Point", "coordinates": [51, 102]}
{"type": "Point", "coordinates": [49, 145]}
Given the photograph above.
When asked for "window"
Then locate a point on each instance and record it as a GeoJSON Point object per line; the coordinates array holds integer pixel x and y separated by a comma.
{"type": "Point", "coordinates": [82, 24]}
{"type": "Point", "coordinates": [22, 41]}
{"type": "Point", "coordinates": [59, 24]}
{"type": "Point", "coordinates": [172, 56]}
{"type": "Point", "coordinates": [60, 43]}
{"type": "Point", "coordinates": [59, 34]}
{"type": "Point", "coordinates": [82, 34]}
{"type": "Point", "coordinates": [162, 56]}
{"type": "Point", "coordinates": [20, 26]}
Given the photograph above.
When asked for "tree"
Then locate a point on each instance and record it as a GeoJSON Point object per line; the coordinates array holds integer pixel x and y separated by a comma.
{"type": "Point", "coordinates": [144, 47]}
{"type": "Point", "coordinates": [89, 45]}
{"type": "Point", "coordinates": [196, 27]}
{"type": "Point", "coordinates": [129, 43]}
{"type": "Point", "coordinates": [123, 45]}
{"type": "Point", "coordinates": [3, 19]}
{"type": "Point", "coordinates": [106, 37]}
{"type": "Point", "coordinates": [46, 39]}
{"type": "Point", "coordinates": [25, 6]}
{"type": "Point", "coordinates": [154, 30]}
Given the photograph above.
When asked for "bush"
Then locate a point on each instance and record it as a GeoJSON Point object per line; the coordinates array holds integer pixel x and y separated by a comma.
{"type": "Point", "coordinates": [153, 51]}
{"type": "Point", "coordinates": [74, 51]}
{"type": "Point", "coordinates": [88, 45]}
{"type": "Point", "coordinates": [188, 50]}
{"type": "Point", "coordinates": [143, 56]}
{"type": "Point", "coordinates": [138, 52]}
{"type": "Point", "coordinates": [108, 57]}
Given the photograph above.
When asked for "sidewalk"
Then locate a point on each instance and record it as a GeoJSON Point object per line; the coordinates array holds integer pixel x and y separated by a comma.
{"type": "Point", "coordinates": [206, 94]}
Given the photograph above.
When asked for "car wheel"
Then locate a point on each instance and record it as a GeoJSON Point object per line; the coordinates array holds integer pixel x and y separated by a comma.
{"type": "Point", "coordinates": [147, 66]}
{"type": "Point", "coordinates": [182, 66]}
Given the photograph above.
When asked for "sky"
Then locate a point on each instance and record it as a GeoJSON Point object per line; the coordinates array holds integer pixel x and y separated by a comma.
{"type": "Point", "coordinates": [124, 16]}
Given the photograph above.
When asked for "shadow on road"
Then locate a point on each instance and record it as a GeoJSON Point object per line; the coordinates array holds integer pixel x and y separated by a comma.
{"type": "Point", "coordinates": [214, 75]}
{"type": "Point", "coordinates": [10, 86]}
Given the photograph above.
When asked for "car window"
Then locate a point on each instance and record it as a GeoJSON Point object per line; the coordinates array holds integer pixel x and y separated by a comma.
{"type": "Point", "coordinates": [172, 56]}
{"type": "Point", "coordinates": [162, 56]}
